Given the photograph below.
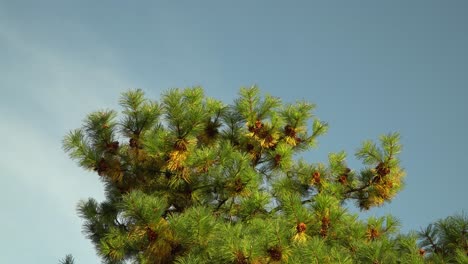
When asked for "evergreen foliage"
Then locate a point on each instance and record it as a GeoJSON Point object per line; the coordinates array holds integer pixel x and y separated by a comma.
{"type": "Point", "coordinates": [67, 260]}
{"type": "Point", "coordinates": [190, 179]}
{"type": "Point", "coordinates": [446, 241]}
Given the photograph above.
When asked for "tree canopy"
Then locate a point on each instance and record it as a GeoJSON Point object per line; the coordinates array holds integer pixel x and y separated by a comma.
{"type": "Point", "coordinates": [190, 179]}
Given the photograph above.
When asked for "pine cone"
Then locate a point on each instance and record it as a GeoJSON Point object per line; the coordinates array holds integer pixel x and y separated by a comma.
{"type": "Point", "coordinates": [238, 185]}
{"type": "Point", "coordinates": [289, 131]}
{"type": "Point", "coordinates": [422, 251]}
{"type": "Point", "coordinates": [102, 167]}
{"type": "Point", "coordinates": [325, 225]}
{"type": "Point", "coordinates": [316, 177]}
{"type": "Point", "coordinates": [343, 179]}
{"type": "Point", "coordinates": [382, 170]}
{"type": "Point", "coordinates": [180, 145]}
{"type": "Point", "coordinates": [275, 253]}
{"type": "Point", "coordinates": [372, 234]}
{"type": "Point", "coordinates": [133, 143]}
{"type": "Point", "coordinates": [323, 232]}
{"type": "Point", "coordinates": [250, 147]}
{"type": "Point", "coordinates": [112, 147]}
{"type": "Point", "coordinates": [240, 258]}
{"type": "Point", "coordinates": [301, 227]}
{"type": "Point", "coordinates": [269, 142]}
{"type": "Point", "coordinates": [277, 159]}
{"type": "Point", "coordinates": [151, 235]}
{"type": "Point", "coordinates": [325, 221]}
{"type": "Point", "coordinates": [258, 124]}
{"type": "Point", "coordinates": [257, 129]}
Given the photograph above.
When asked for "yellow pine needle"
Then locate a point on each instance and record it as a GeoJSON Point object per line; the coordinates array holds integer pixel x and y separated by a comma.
{"type": "Point", "coordinates": [300, 237]}
{"type": "Point", "coordinates": [268, 142]}
{"type": "Point", "coordinates": [176, 159]}
{"type": "Point", "coordinates": [290, 140]}
{"type": "Point", "coordinates": [383, 191]}
{"type": "Point", "coordinates": [376, 200]}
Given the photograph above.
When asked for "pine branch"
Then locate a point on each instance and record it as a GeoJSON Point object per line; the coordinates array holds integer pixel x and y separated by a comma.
{"type": "Point", "coordinates": [220, 184]}
{"type": "Point", "coordinates": [363, 187]}
{"type": "Point", "coordinates": [67, 260]}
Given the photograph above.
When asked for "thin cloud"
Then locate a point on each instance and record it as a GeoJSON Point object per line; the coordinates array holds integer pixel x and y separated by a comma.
{"type": "Point", "coordinates": [47, 92]}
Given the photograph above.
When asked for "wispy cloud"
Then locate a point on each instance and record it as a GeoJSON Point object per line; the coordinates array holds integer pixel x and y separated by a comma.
{"type": "Point", "coordinates": [45, 93]}
{"type": "Point", "coordinates": [59, 82]}
{"type": "Point", "coordinates": [57, 94]}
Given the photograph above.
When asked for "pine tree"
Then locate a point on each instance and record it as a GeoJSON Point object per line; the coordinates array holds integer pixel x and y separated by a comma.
{"type": "Point", "coordinates": [67, 260]}
{"type": "Point", "coordinates": [446, 241]}
{"type": "Point", "coordinates": [190, 179]}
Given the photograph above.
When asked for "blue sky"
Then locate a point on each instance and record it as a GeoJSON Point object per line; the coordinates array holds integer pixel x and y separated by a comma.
{"type": "Point", "coordinates": [371, 67]}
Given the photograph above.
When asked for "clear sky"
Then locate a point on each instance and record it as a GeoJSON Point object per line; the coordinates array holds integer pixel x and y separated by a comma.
{"type": "Point", "coordinates": [372, 67]}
